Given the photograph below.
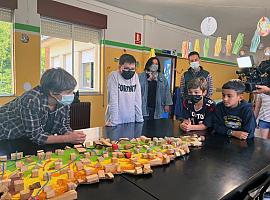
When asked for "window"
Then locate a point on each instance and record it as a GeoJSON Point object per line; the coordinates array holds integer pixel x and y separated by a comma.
{"type": "Point", "coordinates": [6, 64]}
{"type": "Point", "coordinates": [74, 48]}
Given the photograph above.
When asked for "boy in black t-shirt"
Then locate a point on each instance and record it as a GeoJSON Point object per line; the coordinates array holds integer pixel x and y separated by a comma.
{"type": "Point", "coordinates": [198, 109]}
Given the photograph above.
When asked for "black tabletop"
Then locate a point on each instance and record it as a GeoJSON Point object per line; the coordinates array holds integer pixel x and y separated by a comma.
{"type": "Point", "coordinates": [208, 172]}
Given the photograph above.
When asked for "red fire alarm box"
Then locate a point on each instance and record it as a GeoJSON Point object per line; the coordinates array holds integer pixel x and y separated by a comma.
{"type": "Point", "coordinates": [138, 38]}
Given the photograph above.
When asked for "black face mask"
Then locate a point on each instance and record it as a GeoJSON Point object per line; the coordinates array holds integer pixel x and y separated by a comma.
{"type": "Point", "coordinates": [128, 74]}
{"type": "Point", "coordinates": [194, 98]}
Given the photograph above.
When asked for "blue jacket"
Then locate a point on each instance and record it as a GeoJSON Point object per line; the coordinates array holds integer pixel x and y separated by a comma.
{"type": "Point", "coordinates": [240, 118]}
{"type": "Point", "coordinates": [163, 95]}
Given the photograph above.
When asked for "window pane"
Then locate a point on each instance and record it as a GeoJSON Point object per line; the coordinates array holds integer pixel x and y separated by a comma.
{"type": "Point", "coordinates": [6, 80]}
{"type": "Point", "coordinates": [56, 52]}
{"type": "Point", "coordinates": [86, 66]}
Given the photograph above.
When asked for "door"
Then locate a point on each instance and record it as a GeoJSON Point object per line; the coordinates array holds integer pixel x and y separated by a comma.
{"type": "Point", "coordinates": [168, 66]}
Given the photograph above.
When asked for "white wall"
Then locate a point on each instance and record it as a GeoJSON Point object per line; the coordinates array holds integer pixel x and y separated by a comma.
{"type": "Point", "coordinates": [123, 24]}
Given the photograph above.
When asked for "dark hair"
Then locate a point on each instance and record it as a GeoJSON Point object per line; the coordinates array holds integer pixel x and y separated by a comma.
{"type": "Point", "coordinates": [193, 53]}
{"type": "Point", "coordinates": [199, 82]}
{"type": "Point", "coordinates": [236, 85]}
{"type": "Point", "coordinates": [57, 80]}
{"type": "Point", "coordinates": [127, 58]}
{"type": "Point", "coordinates": [150, 62]}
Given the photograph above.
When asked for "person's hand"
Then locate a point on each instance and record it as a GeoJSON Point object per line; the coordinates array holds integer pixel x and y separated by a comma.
{"type": "Point", "coordinates": [75, 137]}
{"type": "Point", "coordinates": [186, 125]}
{"type": "Point", "coordinates": [262, 89]}
{"type": "Point", "coordinates": [108, 123]}
{"type": "Point", "coordinates": [167, 109]}
{"type": "Point", "coordinates": [240, 135]}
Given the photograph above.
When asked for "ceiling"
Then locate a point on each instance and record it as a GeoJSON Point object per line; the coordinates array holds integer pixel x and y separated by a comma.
{"type": "Point", "coordinates": [232, 16]}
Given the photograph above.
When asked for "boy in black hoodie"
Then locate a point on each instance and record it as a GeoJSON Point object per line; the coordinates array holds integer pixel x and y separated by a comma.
{"type": "Point", "coordinates": [198, 110]}
{"type": "Point", "coordinates": [234, 117]}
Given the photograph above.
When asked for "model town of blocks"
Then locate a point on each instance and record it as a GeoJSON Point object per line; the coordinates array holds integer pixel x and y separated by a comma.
{"type": "Point", "coordinates": [56, 175]}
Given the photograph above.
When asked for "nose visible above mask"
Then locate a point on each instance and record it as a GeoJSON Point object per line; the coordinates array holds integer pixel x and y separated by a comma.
{"type": "Point", "coordinates": [67, 99]}
{"type": "Point", "coordinates": [195, 65]}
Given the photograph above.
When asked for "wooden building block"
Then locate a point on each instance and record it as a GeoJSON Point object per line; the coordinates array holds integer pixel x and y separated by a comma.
{"type": "Point", "coordinates": [92, 178]}
{"type": "Point", "coordinates": [100, 159]}
{"type": "Point", "coordinates": [78, 146]}
{"type": "Point", "coordinates": [155, 162]}
{"type": "Point", "coordinates": [166, 159]}
{"type": "Point", "coordinates": [79, 165]}
{"type": "Point", "coordinates": [110, 168]}
{"type": "Point", "coordinates": [34, 186]}
{"type": "Point", "coordinates": [81, 150]}
{"type": "Point", "coordinates": [114, 160]}
{"type": "Point", "coordinates": [24, 168]}
{"type": "Point", "coordinates": [6, 196]}
{"type": "Point", "coordinates": [3, 158]}
{"type": "Point", "coordinates": [25, 194]}
{"type": "Point", "coordinates": [87, 155]}
{"type": "Point", "coordinates": [85, 161]}
{"type": "Point", "coordinates": [70, 195]}
{"type": "Point", "coordinates": [138, 170]}
{"type": "Point", "coordinates": [18, 185]}
{"type": "Point", "coordinates": [72, 156]}
{"type": "Point", "coordinates": [71, 186]}
{"type": "Point", "coordinates": [70, 174]}
{"type": "Point", "coordinates": [3, 188]}
{"type": "Point", "coordinates": [50, 194]}
{"type": "Point", "coordinates": [88, 171]}
{"type": "Point", "coordinates": [109, 175]}
{"type": "Point", "coordinates": [48, 155]}
{"type": "Point", "coordinates": [5, 182]}
{"type": "Point", "coordinates": [101, 174]}
{"type": "Point", "coordinates": [46, 176]}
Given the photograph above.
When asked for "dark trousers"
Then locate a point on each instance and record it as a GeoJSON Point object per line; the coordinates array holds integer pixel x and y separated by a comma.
{"type": "Point", "coordinates": [151, 114]}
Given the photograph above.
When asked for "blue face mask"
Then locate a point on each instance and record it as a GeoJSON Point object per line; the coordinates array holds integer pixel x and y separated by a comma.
{"type": "Point", "coordinates": [66, 99]}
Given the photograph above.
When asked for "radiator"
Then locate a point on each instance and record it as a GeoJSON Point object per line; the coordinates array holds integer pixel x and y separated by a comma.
{"type": "Point", "coordinates": [80, 115]}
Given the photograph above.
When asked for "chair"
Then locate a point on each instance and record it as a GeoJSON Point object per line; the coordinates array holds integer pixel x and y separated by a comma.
{"type": "Point", "coordinates": [80, 115]}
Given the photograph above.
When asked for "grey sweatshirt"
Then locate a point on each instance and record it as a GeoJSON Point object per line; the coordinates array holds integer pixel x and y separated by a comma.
{"type": "Point", "coordinates": [124, 100]}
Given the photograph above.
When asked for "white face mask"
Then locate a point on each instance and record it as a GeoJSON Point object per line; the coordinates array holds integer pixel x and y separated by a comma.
{"type": "Point", "coordinates": [195, 65]}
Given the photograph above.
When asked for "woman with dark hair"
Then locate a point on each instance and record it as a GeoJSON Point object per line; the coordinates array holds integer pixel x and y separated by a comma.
{"type": "Point", "coordinates": [42, 114]}
{"type": "Point", "coordinates": [156, 97]}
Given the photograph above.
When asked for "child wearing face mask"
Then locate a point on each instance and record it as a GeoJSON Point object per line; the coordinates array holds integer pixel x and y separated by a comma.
{"type": "Point", "coordinates": [42, 114]}
{"type": "Point", "coordinates": [195, 71]}
{"type": "Point", "coordinates": [198, 110]}
{"type": "Point", "coordinates": [234, 117]}
{"type": "Point", "coordinates": [156, 97]}
{"type": "Point", "coordinates": [124, 94]}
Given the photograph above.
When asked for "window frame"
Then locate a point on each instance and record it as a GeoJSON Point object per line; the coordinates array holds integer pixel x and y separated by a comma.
{"type": "Point", "coordinates": [13, 93]}
{"type": "Point", "coordinates": [98, 49]}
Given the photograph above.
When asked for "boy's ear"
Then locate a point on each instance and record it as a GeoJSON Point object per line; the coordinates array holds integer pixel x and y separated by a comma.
{"type": "Point", "coordinates": [204, 92]}
{"type": "Point", "coordinates": [241, 96]}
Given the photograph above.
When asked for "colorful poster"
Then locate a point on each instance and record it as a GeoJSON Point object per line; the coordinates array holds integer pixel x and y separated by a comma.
{"type": "Point", "coordinates": [197, 46]}
{"type": "Point", "coordinates": [229, 45]}
{"type": "Point", "coordinates": [239, 42]}
{"type": "Point", "coordinates": [152, 53]}
{"type": "Point", "coordinates": [218, 47]}
{"type": "Point", "coordinates": [206, 47]}
{"type": "Point", "coordinates": [255, 42]}
{"type": "Point", "coordinates": [190, 47]}
{"type": "Point", "coordinates": [263, 26]}
{"type": "Point", "coordinates": [185, 50]}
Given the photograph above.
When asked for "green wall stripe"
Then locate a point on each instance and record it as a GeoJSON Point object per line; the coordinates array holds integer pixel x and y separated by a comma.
{"type": "Point", "coordinates": [27, 27]}
{"type": "Point", "coordinates": [144, 48]}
